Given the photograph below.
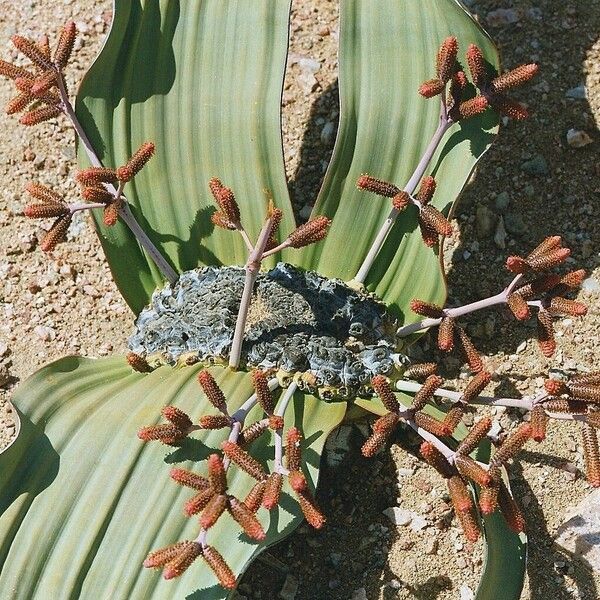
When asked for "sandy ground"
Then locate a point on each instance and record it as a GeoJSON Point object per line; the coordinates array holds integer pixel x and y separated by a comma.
{"type": "Point", "coordinates": [45, 305]}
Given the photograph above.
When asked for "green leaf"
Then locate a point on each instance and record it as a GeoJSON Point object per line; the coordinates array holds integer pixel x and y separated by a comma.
{"type": "Point", "coordinates": [203, 80]}
{"type": "Point", "coordinates": [82, 500]}
{"type": "Point", "coordinates": [387, 48]}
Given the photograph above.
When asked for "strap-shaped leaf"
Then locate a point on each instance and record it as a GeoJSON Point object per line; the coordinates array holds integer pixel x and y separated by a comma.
{"type": "Point", "coordinates": [82, 500]}
{"type": "Point", "coordinates": [387, 48]}
{"type": "Point", "coordinates": [203, 80]}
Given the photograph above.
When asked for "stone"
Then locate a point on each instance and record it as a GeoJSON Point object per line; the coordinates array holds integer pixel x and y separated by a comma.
{"type": "Point", "coordinates": [500, 234]}
{"type": "Point", "coordinates": [418, 523]}
{"type": "Point", "coordinates": [289, 589]}
{"type": "Point", "coordinates": [536, 166]}
{"type": "Point", "coordinates": [485, 220]}
{"type": "Point", "coordinates": [501, 202]}
{"type": "Point", "coordinates": [577, 138]}
{"type": "Point", "coordinates": [327, 133]}
{"type": "Point", "coordinates": [431, 546]}
{"type": "Point", "coordinates": [580, 532]}
{"type": "Point", "coordinates": [46, 334]}
{"type": "Point", "coordinates": [466, 593]}
{"type": "Point", "coordinates": [577, 93]}
{"type": "Point", "coordinates": [398, 516]}
{"type": "Point", "coordinates": [359, 594]}
{"type": "Point", "coordinates": [514, 224]}
{"type": "Point", "coordinates": [502, 16]}
{"type": "Point", "coordinates": [590, 285]}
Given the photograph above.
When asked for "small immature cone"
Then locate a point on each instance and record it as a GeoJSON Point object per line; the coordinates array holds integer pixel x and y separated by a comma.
{"type": "Point", "coordinates": [180, 419]}
{"type": "Point", "coordinates": [56, 234]}
{"type": "Point", "coordinates": [428, 234]}
{"type": "Point", "coordinates": [512, 444]}
{"type": "Point", "coordinates": [13, 72]}
{"type": "Point", "coordinates": [470, 352]}
{"type": "Point", "coordinates": [472, 107]}
{"type": "Point", "coordinates": [245, 517]}
{"type": "Point", "coordinates": [549, 260]}
{"type": "Point", "coordinates": [94, 176]}
{"type": "Point", "coordinates": [214, 421]}
{"type": "Point", "coordinates": [189, 479]}
{"type": "Point", "coordinates": [243, 460]}
{"type": "Point", "coordinates": [426, 190]}
{"type": "Point", "coordinates": [509, 509]}
{"type": "Point", "coordinates": [545, 333]}
{"type": "Point", "coordinates": [470, 525]}
{"type": "Point", "coordinates": [539, 423]}
{"type": "Point", "coordinates": [386, 424]}
{"type": "Point", "coordinates": [263, 394]}
{"type": "Point", "coordinates": [111, 213]}
{"type": "Point", "coordinates": [309, 233]}
{"type": "Point", "coordinates": [431, 88]}
{"type": "Point", "coordinates": [44, 82]}
{"type": "Point", "coordinates": [65, 45]}
{"type": "Point", "coordinates": [297, 481]}
{"type": "Point", "coordinates": [133, 166]}
{"type": "Point", "coordinates": [446, 334]}
{"type": "Point", "coordinates": [18, 103]}
{"type": "Point", "coordinates": [539, 286]}
{"type": "Point", "coordinates": [213, 510]}
{"type": "Point", "coordinates": [476, 386]}
{"type": "Point", "coordinates": [276, 422]}
{"type": "Point", "coordinates": [549, 243]}
{"type": "Point", "coordinates": [384, 391]}
{"type": "Point", "coordinates": [514, 78]}
{"type": "Point", "coordinates": [138, 363]}
{"type": "Point", "coordinates": [255, 496]}
{"type": "Point", "coordinates": [217, 474]}
{"type": "Point", "coordinates": [430, 424]}
{"type": "Point", "coordinates": [198, 502]}
{"type": "Point", "coordinates": [377, 186]}
{"type": "Point", "coordinates": [572, 407]}
{"type": "Point", "coordinates": [312, 514]}
{"type": "Point", "coordinates": [510, 108]}
{"type": "Point", "coordinates": [212, 391]}
{"type": "Point", "coordinates": [292, 449]}
{"type": "Point", "coordinates": [573, 279]}
{"type": "Point", "coordinates": [593, 378]}
{"type": "Point", "coordinates": [446, 58]}
{"type": "Point", "coordinates": [44, 211]}
{"type": "Point", "coordinates": [433, 218]}
{"type": "Point", "coordinates": [470, 469]}
{"type": "Point", "coordinates": [437, 460]}
{"type": "Point", "coordinates": [374, 443]}
{"type": "Point", "coordinates": [401, 200]}
{"type": "Point", "coordinates": [39, 115]}
{"type": "Point", "coordinates": [219, 567]}
{"type": "Point", "coordinates": [426, 309]}
{"type": "Point", "coordinates": [563, 306]}
{"type": "Point", "coordinates": [587, 393]}
{"type": "Point", "coordinates": [452, 419]}
{"type": "Point", "coordinates": [167, 434]}
{"type": "Point", "coordinates": [518, 306]}
{"type": "Point", "coordinates": [517, 264]}
{"type": "Point", "coordinates": [459, 494]}
{"type": "Point", "coordinates": [488, 498]}
{"type": "Point", "coordinates": [476, 64]}
{"type": "Point", "coordinates": [272, 491]}
{"type": "Point", "coordinates": [475, 436]}
{"type": "Point", "coordinates": [252, 432]}
{"type": "Point", "coordinates": [420, 371]}
{"type": "Point", "coordinates": [178, 565]}
{"type": "Point", "coordinates": [32, 51]}
{"type": "Point", "coordinates": [159, 558]}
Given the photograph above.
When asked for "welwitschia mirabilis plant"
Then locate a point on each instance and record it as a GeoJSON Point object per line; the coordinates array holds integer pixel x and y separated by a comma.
{"type": "Point", "coordinates": [254, 367]}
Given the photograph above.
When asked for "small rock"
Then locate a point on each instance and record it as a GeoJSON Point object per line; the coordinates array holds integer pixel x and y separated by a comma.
{"type": "Point", "coordinates": [514, 224]}
{"type": "Point", "coordinates": [461, 562]}
{"type": "Point", "coordinates": [398, 516]}
{"type": "Point", "coordinates": [588, 285]}
{"type": "Point", "coordinates": [580, 533]}
{"type": "Point", "coordinates": [577, 93]}
{"type": "Point", "coordinates": [359, 594]}
{"type": "Point", "coordinates": [577, 138]}
{"type": "Point", "coordinates": [485, 220]}
{"type": "Point", "coordinates": [502, 16]}
{"type": "Point", "coordinates": [431, 546]}
{"type": "Point", "coordinates": [39, 162]}
{"type": "Point", "coordinates": [418, 523]}
{"type": "Point", "coordinates": [501, 202]}
{"type": "Point", "coordinates": [327, 133]}
{"type": "Point", "coordinates": [289, 589]}
{"type": "Point", "coordinates": [46, 334]}
{"type": "Point", "coordinates": [536, 166]}
{"type": "Point", "coordinates": [500, 234]}
{"type": "Point", "coordinates": [3, 348]}
{"type": "Point", "coordinates": [466, 593]}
